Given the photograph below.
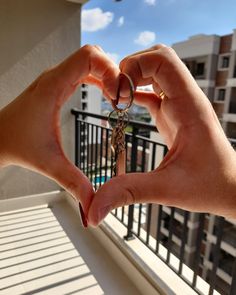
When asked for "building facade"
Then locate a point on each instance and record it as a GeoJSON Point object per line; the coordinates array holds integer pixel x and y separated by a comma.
{"type": "Point", "coordinates": [212, 61]}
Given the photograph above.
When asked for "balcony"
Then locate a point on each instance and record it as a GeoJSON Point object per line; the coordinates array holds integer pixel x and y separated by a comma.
{"type": "Point", "coordinates": [138, 249]}
{"type": "Point", "coordinates": [177, 237]}
{"type": "Point", "coordinates": [44, 250]}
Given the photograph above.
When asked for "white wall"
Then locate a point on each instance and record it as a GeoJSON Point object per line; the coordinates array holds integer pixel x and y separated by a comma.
{"type": "Point", "coordinates": [197, 46]}
{"type": "Point", "coordinates": [34, 35]}
{"type": "Point", "coordinates": [94, 103]}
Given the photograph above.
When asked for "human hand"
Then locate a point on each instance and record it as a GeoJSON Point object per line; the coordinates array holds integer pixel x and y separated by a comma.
{"type": "Point", "coordinates": [30, 124]}
{"type": "Point", "coordinates": [198, 173]}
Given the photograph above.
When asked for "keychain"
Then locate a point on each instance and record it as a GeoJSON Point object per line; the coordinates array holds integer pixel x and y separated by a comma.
{"type": "Point", "coordinates": [118, 120]}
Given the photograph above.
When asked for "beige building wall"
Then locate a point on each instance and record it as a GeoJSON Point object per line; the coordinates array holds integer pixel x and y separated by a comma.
{"type": "Point", "coordinates": [34, 35]}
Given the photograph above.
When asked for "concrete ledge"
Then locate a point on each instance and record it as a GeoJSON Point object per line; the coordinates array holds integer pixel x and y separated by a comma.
{"type": "Point", "coordinates": [27, 202]}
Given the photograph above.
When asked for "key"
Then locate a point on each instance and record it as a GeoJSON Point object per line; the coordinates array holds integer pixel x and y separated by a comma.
{"type": "Point", "coordinates": [118, 147]}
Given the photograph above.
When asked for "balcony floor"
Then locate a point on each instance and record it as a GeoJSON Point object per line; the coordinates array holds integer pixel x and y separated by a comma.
{"type": "Point", "coordinates": [46, 251]}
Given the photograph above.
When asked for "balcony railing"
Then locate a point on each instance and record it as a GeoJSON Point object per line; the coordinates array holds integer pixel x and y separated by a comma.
{"type": "Point", "coordinates": [195, 246]}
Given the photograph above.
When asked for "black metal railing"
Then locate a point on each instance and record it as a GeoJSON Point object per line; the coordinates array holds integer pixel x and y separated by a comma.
{"type": "Point", "coordinates": [198, 247]}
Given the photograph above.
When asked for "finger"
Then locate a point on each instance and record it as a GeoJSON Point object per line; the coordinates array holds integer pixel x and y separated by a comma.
{"type": "Point", "coordinates": [87, 61]}
{"type": "Point", "coordinates": [149, 100]}
{"type": "Point", "coordinates": [164, 68]}
{"type": "Point", "coordinates": [155, 47]}
{"type": "Point", "coordinates": [125, 190]}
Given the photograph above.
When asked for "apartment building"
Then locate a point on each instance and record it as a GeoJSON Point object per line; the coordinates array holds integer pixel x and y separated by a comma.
{"type": "Point", "coordinates": [212, 61]}
{"type": "Point", "coordinates": [226, 254]}
{"type": "Point", "coordinates": [91, 101]}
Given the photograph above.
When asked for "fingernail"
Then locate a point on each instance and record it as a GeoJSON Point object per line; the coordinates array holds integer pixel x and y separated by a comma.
{"type": "Point", "coordinates": [103, 212]}
{"type": "Point", "coordinates": [82, 216]}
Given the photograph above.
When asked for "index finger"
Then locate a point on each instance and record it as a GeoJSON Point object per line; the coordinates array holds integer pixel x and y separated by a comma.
{"type": "Point", "coordinates": [88, 61]}
{"type": "Point", "coordinates": [161, 65]}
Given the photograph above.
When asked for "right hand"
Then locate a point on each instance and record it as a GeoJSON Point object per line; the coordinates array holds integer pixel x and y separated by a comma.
{"type": "Point", "coordinates": [199, 171]}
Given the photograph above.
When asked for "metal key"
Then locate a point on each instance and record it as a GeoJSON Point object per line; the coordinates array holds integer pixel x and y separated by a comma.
{"type": "Point", "coordinates": [118, 146]}
{"type": "Point", "coordinates": [118, 130]}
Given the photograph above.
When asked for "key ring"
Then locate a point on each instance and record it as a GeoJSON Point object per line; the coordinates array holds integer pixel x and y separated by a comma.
{"type": "Point", "coordinates": [129, 104]}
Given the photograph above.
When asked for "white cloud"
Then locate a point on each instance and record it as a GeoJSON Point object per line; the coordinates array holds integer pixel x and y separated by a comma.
{"type": "Point", "coordinates": [114, 56]}
{"type": "Point", "coordinates": [150, 2]}
{"type": "Point", "coordinates": [121, 21]}
{"type": "Point", "coordinates": [145, 38]}
{"type": "Point", "coordinates": [95, 19]}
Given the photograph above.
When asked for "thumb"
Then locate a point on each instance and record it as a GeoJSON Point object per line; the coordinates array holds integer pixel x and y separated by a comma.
{"type": "Point", "coordinates": [127, 189]}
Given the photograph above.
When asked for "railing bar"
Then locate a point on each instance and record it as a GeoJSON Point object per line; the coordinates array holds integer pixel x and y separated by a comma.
{"type": "Point", "coordinates": [149, 214]}
{"type": "Point", "coordinates": [158, 234]}
{"type": "Point", "coordinates": [76, 141]}
{"type": "Point", "coordinates": [139, 218]}
{"type": "Point", "coordinates": [112, 163]}
{"type": "Point", "coordinates": [84, 158]}
{"type": "Point", "coordinates": [106, 158]}
{"type": "Point", "coordinates": [198, 248]}
{"type": "Point", "coordinates": [144, 156]}
{"type": "Point", "coordinates": [134, 150]}
{"type": "Point", "coordinates": [80, 147]}
{"type": "Point", "coordinates": [153, 156]}
{"type": "Point", "coordinates": [87, 148]}
{"type": "Point", "coordinates": [96, 156]}
{"type": "Point", "coordinates": [183, 241]}
{"type": "Point", "coordinates": [91, 153]}
{"type": "Point", "coordinates": [126, 152]}
{"type": "Point", "coordinates": [169, 244]}
{"type": "Point", "coordinates": [122, 214]}
{"type": "Point", "coordinates": [101, 152]}
{"type": "Point", "coordinates": [216, 253]}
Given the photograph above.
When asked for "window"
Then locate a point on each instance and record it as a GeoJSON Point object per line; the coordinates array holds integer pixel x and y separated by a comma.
{"type": "Point", "coordinates": [225, 62]}
{"type": "Point", "coordinates": [200, 69]}
{"type": "Point", "coordinates": [221, 95]}
{"type": "Point", "coordinates": [84, 94]}
{"type": "Point", "coordinates": [84, 106]}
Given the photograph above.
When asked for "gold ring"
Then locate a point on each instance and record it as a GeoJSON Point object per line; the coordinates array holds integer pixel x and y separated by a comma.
{"type": "Point", "coordinates": [162, 94]}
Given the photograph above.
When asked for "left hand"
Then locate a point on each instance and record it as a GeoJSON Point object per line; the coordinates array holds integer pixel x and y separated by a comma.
{"type": "Point", "coordinates": [30, 124]}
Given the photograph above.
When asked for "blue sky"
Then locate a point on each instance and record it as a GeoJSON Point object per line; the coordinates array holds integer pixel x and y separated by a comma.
{"type": "Point", "coordinates": [121, 28]}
